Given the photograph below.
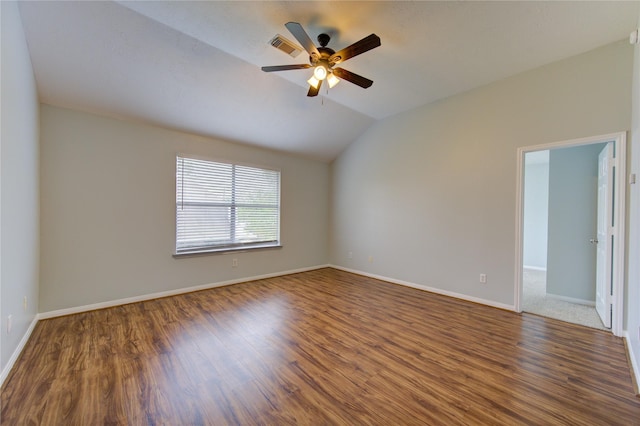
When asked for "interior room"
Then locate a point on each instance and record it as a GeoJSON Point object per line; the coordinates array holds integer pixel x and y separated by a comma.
{"type": "Point", "coordinates": [560, 216]}
{"type": "Point", "coordinates": [318, 212]}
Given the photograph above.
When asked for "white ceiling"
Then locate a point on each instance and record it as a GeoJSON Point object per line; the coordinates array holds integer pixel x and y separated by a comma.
{"type": "Point", "coordinates": [195, 66]}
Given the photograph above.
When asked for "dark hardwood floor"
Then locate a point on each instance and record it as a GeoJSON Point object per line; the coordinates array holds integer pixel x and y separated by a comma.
{"type": "Point", "coordinates": [321, 347]}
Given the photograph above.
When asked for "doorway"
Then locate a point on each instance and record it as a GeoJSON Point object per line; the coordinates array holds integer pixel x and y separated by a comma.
{"type": "Point", "coordinates": [549, 273]}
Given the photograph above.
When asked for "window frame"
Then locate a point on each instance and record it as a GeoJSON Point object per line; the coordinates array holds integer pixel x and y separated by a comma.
{"type": "Point", "coordinates": [220, 249]}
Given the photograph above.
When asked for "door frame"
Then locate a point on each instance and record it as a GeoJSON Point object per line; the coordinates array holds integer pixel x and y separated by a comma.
{"type": "Point", "coordinates": [619, 140]}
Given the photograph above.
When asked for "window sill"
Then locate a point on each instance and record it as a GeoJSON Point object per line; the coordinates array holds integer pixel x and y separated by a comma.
{"type": "Point", "coordinates": [225, 250]}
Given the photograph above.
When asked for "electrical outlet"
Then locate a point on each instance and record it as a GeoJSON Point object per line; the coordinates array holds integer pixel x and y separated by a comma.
{"type": "Point", "coordinates": [483, 278]}
{"type": "Point", "coordinates": [370, 259]}
{"type": "Point", "coordinates": [24, 304]}
{"type": "Point", "coordinates": [350, 255]}
{"type": "Point", "coordinates": [9, 323]}
{"type": "Point", "coordinates": [234, 263]}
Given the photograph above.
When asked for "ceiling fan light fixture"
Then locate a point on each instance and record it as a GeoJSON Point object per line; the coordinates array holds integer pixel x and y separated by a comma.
{"type": "Point", "coordinates": [313, 82]}
{"type": "Point", "coordinates": [320, 72]}
{"type": "Point", "coordinates": [332, 80]}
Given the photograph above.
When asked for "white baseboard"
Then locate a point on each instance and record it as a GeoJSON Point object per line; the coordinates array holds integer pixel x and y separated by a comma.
{"type": "Point", "coordinates": [142, 298]}
{"type": "Point", "coordinates": [535, 268]}
{"type": "Point", "coordinates": [430, 289]}
{"type": "Point", "coordinates": [18, 351]}
{"type": "Point", "coordinates": [635, 368]}
{"type": "Point", "coordinates": [572, 300]}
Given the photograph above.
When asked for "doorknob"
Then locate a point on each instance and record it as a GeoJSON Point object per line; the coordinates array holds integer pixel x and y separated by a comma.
{"type": "Point", "coordinates": [593, 241]}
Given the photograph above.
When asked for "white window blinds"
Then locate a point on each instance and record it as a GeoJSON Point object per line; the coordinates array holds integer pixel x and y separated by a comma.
{"type": "Point", "coordinates": [223, 206]}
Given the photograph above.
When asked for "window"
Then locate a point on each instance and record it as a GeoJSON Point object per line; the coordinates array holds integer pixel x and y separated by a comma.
{"type": "Point", "coordinates": [222, 206]}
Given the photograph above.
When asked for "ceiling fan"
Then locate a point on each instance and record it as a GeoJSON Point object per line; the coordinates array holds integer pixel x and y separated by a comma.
{"type": "Point", "coordinates": [323, 59]}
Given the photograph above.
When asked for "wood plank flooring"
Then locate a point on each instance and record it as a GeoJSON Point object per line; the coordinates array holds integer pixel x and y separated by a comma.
{"type": "Point", "coordinates": [320, 347]}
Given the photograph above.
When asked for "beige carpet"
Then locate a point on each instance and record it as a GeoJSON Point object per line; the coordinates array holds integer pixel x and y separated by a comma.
{"type": "Point", "coordinates": [536, 301]}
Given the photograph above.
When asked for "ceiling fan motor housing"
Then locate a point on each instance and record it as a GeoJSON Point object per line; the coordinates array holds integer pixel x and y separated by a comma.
{"type": "Point", "coordinates": [325, 54]}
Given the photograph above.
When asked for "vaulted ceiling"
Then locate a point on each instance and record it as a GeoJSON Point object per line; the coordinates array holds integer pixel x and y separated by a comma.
{"type": "Point", "coordinates": [195, 66]}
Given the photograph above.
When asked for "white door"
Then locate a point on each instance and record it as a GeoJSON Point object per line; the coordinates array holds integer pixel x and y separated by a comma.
{"type": "Point", "coordinates": [603, 238]}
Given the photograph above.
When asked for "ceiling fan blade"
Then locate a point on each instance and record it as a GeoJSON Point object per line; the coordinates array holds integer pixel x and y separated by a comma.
{"type": "Point", "coordinates": [313, 91]}
{"type": "Point", "coordinates": [285, 67]}
{"type": "Point", "coordinates": [370, 42]}
{"type": "Point", "coordinates": [303, 38]}
{"type": "Point", "coordinates": [352, 77]}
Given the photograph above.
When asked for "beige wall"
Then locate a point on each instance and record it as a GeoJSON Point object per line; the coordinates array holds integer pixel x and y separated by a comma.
{"type": "Point", "coordinates": [19, 210]}
{"type": "Point", "coordinates": [429, 195]}
{"type": "Point", "coordinates": [108, 211]}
